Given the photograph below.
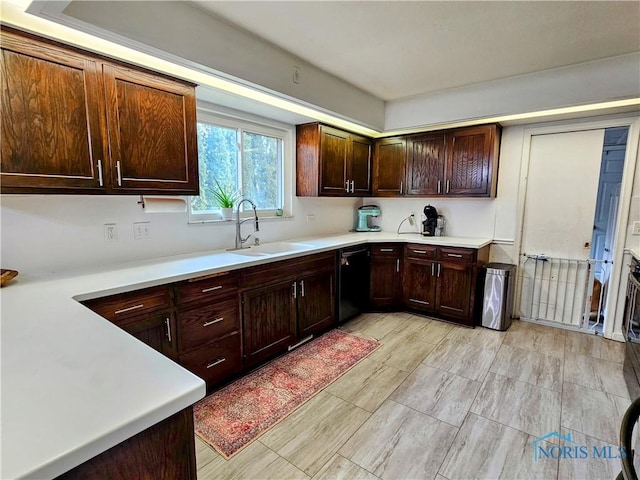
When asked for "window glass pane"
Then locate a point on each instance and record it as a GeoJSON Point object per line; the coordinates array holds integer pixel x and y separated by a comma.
{"type": "Point", "coordinates": [217, 160]}
{"type": "Point", "coordinates": [261, 170]}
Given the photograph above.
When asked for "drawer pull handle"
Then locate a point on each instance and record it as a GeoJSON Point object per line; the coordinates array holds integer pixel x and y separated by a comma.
{"type": "Point", "coordinates": [439, 269]}
{"type": "Point", "coordinates": [456, 255]}
{"type": "Point", "coordinates": [217, 362]}
{"type": "Point", "coordinates": [206, 290]}
{"type": "Point", "coordinates": [418, 301]}
{"type": "Point", "coordinates": [386, 249]}
{"type": "Point", "coordinates": [420, 251]}
{"type": "Point", "coordinates": [217, 320]}
{"type": "Point", "coordinates": [128, 309]}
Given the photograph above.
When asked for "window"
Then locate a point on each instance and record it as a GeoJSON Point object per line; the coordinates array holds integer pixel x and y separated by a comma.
{"type": "Point", "coordinates": [244, 158]}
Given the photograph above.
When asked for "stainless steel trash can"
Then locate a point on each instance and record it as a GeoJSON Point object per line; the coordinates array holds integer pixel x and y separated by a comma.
{"type": "Point", "coordinates": [497, 301]}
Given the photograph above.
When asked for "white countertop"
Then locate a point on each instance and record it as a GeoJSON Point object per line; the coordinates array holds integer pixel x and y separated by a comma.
{"type": "Point", "coordinates": [74, 385]}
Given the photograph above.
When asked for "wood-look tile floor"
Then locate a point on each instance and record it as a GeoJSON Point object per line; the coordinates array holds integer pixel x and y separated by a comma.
{"type": "Point", "coordinates": [438, 401]}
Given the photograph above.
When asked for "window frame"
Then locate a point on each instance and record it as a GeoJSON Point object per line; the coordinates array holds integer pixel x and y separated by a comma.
{"type": "Point", "coordinates": [261, 127]}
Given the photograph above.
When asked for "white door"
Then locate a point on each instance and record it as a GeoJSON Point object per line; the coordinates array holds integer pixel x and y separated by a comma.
{"type": "Point", "coordinates": [560, 204]}
{"type": "Point", "coordinates": [562, 187]}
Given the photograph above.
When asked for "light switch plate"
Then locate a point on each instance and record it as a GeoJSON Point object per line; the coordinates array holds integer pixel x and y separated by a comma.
{"type": "Point", "coordinates": [636, 228]}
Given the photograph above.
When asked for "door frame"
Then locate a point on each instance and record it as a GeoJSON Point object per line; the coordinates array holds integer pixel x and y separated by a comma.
{"type": "Point", "coordinates": [614, 314]}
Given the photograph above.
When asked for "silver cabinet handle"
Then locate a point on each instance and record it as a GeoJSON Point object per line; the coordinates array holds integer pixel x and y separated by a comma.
{"type": "Point", "coordinates": [353, 186]}
{"type": "Point", "coordinates": [295, 289]}
{"type": "Point", "coordinates": [439, 186]}
{"type": "Point", "coordinates": [401, 187]}
{"type": "Point", "coordinates": [217, 287]}
{"type": "Point", "coordinates": [439, 269]}
{"type": "Point", "coordinates": [418, 301]}
{"type": "Point", "coordinates": [455, 255]}
{"type": "Point", "coordinates": [346, 186]}
{"type": "Point", "coordinates": [302, 288]}
{"type": "Point", "coordinates": [119, 173]}
{"type": "Point", "coordinates": [448, 186]}
{"type": "Point", "coordinates": [433, 267]}
{"type": "Point", "coordinates": [386, 249]}
{"type": "Point", "coordinates": [213, 322]}
{"type": "Point", "coordinates": [100, 173]}
{"type": "Point", "coordinates": [419, 251]}
{"type": "Point", "coordinates": [128, 309]}
{"type": "Point", "coordinates": [397, 265]}
{"type": "Point", "coordinates": [216, 362]}
{"type": "Point", "coordinates": [168, 324]}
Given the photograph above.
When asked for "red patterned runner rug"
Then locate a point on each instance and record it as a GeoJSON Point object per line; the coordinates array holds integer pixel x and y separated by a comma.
{"type": "Point", "coordinates": [234, 416]}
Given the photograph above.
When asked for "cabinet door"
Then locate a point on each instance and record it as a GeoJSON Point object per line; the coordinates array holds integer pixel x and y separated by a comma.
{"type": "Point", "coordinates": [334, 147]}
{"type": "Point", "coordinates": [385, 280]}
{"type": "Point", "coordinates": [425, 165]}
{"type": "Point", "coordinates": [151, 123]}
{"type": "Point", "coordinates": [269, 320]}
{"type": "Point", "coordinates": [389, 167]}
{"type": "Point", "coordinates": [156, 330]}
{"type": "Point", "coordinates": [316, 302]}
{"type": "Point", "coordinates": [453, 293]}
{"type": "Point", "coordinates": [470, 169]}
{"type": "Point", "coordinates": [51, 139]}
{"type": "Point", "coordinates": [360, 165]}
{"type": "Point", "coordinates": [419, 285]}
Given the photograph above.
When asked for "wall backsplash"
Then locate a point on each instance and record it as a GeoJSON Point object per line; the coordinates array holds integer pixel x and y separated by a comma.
{"type": "Point", "coordinates": [45, 234]}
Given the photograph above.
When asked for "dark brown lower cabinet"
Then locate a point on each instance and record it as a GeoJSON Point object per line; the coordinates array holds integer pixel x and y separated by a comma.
{"type": "Point", "coordinates": [385, 280]}
{"type": "Point", "coordinates": [453, 292]}
{"type": "Point", "coordinates": [316, 302]}
{"type": "Point", "coordinates": [280, 309]}
{"type": "Point", "coordinates": [441, 281]}
{"type": "Point", "coordinates": [156, 330]}
{"type": "Point", "coordinates": [165, 450]}
{"type": "Point", "coordinates": [419, 285]}
{"type": "Point", "coordinates": [269, 320]}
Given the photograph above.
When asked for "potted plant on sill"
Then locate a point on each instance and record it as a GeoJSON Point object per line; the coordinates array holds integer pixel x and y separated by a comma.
{"type": "Point", "coordinates": [225, 199]}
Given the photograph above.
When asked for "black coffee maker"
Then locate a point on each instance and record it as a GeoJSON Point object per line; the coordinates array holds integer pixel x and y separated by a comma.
{"type": "Point", "coordinates": [429, 225]}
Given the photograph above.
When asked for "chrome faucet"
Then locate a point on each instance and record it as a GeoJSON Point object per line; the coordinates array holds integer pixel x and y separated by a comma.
{"type": "Point", "coordinates": [256, 228]}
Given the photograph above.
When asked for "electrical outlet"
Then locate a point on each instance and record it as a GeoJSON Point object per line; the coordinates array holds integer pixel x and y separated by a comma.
{"type": "Point", "coordinates": [311, 217]}
{"type": "Point", "coordinates": [296, 75]}
{"type": "Point", "coordinates": [110, 232]}
{"type": "Point", "coordinates": [412, 218]}
{"type": "Point", "coordinates": [636, 228]}
{"type": "Point", "coordinates": [141, 230]}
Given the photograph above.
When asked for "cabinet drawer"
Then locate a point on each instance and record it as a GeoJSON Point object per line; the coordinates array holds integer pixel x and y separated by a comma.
{"type": "Point", "coordinates": [215, 362]}
{"type": "Point", "coordinates": [458, 255]}
{"type": "Point", "coordinates": [386, 249]}
{"type": "Point", "coordinates": [418, 251]}
{"type": "Point", "coordinates": [207, 288]}
{"type": "Point", "coordinates": [118, 308]}
{"type": "Point", "coordinates": [205, 324]}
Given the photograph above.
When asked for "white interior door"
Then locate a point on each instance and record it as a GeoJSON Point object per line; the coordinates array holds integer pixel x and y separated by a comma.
{"type": "Point", "coordinates": [562, 188]}
{"type": "Point", "coordinates": [559, 209]}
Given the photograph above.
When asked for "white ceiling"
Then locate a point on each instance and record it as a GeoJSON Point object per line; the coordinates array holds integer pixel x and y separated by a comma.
{"type": "Point", "coordinates": [396, 49]}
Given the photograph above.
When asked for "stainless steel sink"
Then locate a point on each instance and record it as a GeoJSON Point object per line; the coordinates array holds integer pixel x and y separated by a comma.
{"type": "Point", "coordinates": [271, 249]}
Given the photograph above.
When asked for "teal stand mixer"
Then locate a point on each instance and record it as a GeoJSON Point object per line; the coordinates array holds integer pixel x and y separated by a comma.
{"type": "Point", "coordinates": [364, 213]}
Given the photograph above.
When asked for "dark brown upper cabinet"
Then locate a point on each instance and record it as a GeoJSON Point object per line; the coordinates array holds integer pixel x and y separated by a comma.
{"type": "Point", "coordinates": [389, 163]}
{"type": "Point", "coordinates": [457, 163]}
{"type": "Point", "coordinates": [425, 164]}
{"type": "Point", "coordinates": [331, 162]}
{"type": "Point", "coordinates": [73, 122]}
{"type": "Point", "coordinates": [472, 161]}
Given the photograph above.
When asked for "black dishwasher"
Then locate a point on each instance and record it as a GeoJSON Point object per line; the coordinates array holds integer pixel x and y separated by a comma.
{"type": "Point", "coordinates": [353, 281]}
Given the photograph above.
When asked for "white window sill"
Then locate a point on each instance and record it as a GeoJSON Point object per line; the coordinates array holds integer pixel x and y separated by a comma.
{"type": "Point", "coordinates": [220, 221]}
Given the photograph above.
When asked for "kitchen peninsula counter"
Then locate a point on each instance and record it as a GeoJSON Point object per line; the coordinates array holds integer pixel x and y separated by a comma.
{"type": "Point", "coordinates": [75, 385]}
